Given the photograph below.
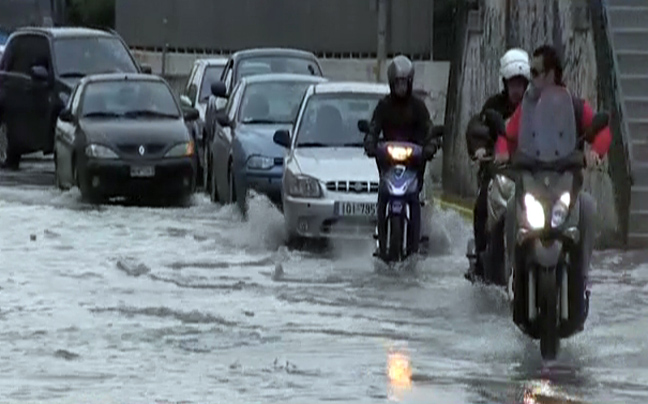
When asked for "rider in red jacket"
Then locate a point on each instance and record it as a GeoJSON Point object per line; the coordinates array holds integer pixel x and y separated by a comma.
{"type": "Point", "coordinates": [546, 70]}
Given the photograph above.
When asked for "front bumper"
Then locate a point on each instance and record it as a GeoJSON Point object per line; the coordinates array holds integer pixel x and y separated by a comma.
{"type": "Point", "coordinates": [172, 177]}
{"type": "Point", "coordinates": [317, 218]}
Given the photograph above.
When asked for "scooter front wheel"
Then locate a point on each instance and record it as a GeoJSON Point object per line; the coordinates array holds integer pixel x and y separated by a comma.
{"type": "Point", "coordinates": [549, 340]}
{"type": "Point", "coordinates": [395, 238]}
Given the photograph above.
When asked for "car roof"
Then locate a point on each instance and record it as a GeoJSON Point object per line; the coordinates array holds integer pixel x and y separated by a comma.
{"type": "Point", "coordinates": [246, 53]}
{"type": "Point", "coordinates": [350, 87]}
{"type": "Point", "coordinates": [121, 77]}
{"type": "Point", "coordinates": [218, 61]}
{"type": "Point", "coordinates": [260, 78]}
{"type": "Point", "coordinates": [65, 32]}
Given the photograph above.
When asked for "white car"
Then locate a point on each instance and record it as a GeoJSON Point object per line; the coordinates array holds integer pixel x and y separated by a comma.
{"type": "Point", "coordinates": [330, 186]}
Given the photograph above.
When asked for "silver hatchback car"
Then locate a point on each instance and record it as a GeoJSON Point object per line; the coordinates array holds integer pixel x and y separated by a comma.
{"type": "Point", "coordinates": [330, 187]}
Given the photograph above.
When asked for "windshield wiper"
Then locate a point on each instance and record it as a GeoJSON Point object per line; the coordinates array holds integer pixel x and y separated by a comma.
{"type": "Point", "coordinates": [262, 121]}
{"type": "Point", "coordinates": [146, 112]}
{"type": "Point", "coordinates": [72, 74]}
{"type": "Point", "coordinates": [312, 144]}
{"type": "Point", "coordinates": [354, 144]}
{"type": "Point", "coordinates": [101, 114]}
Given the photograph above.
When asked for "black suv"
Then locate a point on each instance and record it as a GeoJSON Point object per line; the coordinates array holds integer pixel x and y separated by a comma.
{"type": "Point", "coordinates": [38, 71]}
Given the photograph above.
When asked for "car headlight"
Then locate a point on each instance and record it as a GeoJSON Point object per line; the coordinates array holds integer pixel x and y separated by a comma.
{"type": "Point", "coordinates": [399, 153]}
{"type": "Point", "coordinates": [560, 210]}
{"type": "Point", "coordinates": [535, 214]}
{"type": "Point", "coordinates": [181, 150]}
{"type": "Point", "coordinates": [98, 151]}
{"type": "Point", "coordinates": [260, 162]}
{"type": "Point", "coordinates": [302, 186]}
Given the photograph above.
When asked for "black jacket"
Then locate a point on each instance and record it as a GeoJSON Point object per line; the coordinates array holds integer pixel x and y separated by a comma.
{"type": "Point", "coordinates": [476, 136]}
{"type": "Point", "coordinates": [401, 120]}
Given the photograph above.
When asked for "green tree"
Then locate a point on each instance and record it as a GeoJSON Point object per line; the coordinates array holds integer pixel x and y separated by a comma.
{"type": "Point", "coordinates": [91, 12]}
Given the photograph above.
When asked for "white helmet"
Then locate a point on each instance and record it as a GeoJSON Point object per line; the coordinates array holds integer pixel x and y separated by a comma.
{"type": "Point", "coordinates": [515, 62]}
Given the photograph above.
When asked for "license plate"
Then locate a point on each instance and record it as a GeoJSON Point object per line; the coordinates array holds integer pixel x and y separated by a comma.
{"type": "Point", "coordinates": [356, 209]}
{"type": "Point", "coordinates": [146, 171]}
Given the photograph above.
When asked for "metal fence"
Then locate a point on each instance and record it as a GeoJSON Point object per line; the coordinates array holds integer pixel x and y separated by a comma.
{"type": "Point", "coordinates": [333, 28]}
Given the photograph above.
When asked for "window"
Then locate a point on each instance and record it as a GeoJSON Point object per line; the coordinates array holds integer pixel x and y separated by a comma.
{"type": "Point", "coordinates": [331, 120]}
{"type": "Point", "coordinates": [212, 75]}
{"type": "Point", "coordinates": [272, 101]}
{"type": "Point", "coordinates": [81, 56]}
{"type": "Point", "coordinates": [132, 98]}
{"type": "Point", "coordinates": [194, 69]}
{"type": "Point", "coordinates": [236, 96]}
{"type": "Point", "coordinates": [276, 64]}
{"type": "Point", "coordinates": [28, 51]}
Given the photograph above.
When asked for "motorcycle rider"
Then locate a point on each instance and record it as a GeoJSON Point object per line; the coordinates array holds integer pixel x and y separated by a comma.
{"type": "Point", "coordinates": [401, 116]}
{"type": "Point", "coordinates": [480, 138]}
{"type": "Point", "coordinates": [547, 70]}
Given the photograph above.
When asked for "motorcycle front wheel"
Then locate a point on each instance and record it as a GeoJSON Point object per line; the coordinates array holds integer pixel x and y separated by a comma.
{"type": "Point", "coordinates": [548, 292]}
{"type": "Point", "coordinates": [395, 238]}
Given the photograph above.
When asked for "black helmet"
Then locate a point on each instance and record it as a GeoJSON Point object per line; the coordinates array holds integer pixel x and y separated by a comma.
{"type": "Point", "coordinates": [401, 70]}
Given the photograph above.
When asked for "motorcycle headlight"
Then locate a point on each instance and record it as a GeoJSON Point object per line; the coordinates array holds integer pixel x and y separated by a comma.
{"type": "Point", "coordinates": [560, 210]}
{"type": "Point", "coordinates": [181, 150]}
{"type": "Point", "coordinates": [98, 151]}
{"type": "Point", "coordinates": [535, 214]}
{"type": "Point", "coordinates": [302, 186]}
{"type": "Point", "coordinates": [260, 162]}
{"type": "Point", "coordinates": [399, 153]}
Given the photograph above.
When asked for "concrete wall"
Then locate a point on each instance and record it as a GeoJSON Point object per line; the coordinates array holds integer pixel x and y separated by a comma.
{"type": "Point", "coordinates": [528, 24]}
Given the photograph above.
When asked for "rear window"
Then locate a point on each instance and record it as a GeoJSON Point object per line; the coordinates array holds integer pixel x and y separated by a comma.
{"type": "Point", "coordinates": [92, 55]}
{"type": "Point", "coordinates": [277, 64]}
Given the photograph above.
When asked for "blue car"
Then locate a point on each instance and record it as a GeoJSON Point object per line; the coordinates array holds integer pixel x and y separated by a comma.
{"type": "Point", "coordinates": [244, 154]}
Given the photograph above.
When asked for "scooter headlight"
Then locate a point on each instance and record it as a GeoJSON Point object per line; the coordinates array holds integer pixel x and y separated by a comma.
{"type": "Point", "coordinates": [535, 214]}
{"type": "Point", "coordinates": [560, 210]}
{"type": "Point", "coordinates": [399, 153]}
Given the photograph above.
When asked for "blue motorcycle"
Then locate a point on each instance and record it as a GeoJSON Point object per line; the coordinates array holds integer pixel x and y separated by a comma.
{"type": "Point", "coordinates": [401, 166]}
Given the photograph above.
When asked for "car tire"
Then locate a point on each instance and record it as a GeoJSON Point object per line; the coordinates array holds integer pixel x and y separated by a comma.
{"type": "Point", "coordinates": [87, 195]}
{"type": "Point", "coordinates": [57, 175]}
{"type": "Point", "coordinates": [213, 188]}
{"type": "Point", "coordinates": [8, 159]}
{"type": "Point", "coordinates": [231, 194]}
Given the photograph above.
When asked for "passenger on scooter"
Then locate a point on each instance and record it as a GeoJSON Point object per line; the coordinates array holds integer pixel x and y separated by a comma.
{"type": "Point", "coordinates": [481, 137]}
{"type": "Point", "coordinates": [401, 116]}
{"type": "Point", "coordinates": [547, 70]}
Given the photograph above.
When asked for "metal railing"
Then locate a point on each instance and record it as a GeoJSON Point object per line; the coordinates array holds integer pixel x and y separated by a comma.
{"type": "Point", "coordinates": [610, 93]}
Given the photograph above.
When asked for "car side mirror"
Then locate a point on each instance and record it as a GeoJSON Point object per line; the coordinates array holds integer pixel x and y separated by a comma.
{"type": "Point", "coordinates": [191, 114]}
{"type": "Point", "coordinates": [223, 120]}
{"type": "Point", "coordinates": [66, 115]}
{"type": "Point", "coordinates": [219, 90]}
{"type": "Point", "coordinates": [146, 68]}
{"type": "Point", "coordinates": [186, 101]}
{"type": "Point", "coordinates": [39, 73]}
{"type": "Point", "coordinates": [438, 131]}
{"type": "Point", "coordinates": [282, 138]}
{"type": "Point", "coordinates": [363, 126]}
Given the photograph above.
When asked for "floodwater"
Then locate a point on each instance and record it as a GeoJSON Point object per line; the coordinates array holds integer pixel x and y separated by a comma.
{"type": "Point", "coordinates": [129, 304]}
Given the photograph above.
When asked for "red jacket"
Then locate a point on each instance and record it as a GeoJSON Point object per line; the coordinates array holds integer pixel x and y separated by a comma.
{"type": "Point", "coordinates": [508, 143]}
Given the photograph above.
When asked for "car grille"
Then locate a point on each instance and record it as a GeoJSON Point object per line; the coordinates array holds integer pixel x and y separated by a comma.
{"type": "Point", "coordinates": [358, 187]}
{"type": "Point", "coordinates": [150, 149]}
{"type": "Point", "coordinates": [278, 161]}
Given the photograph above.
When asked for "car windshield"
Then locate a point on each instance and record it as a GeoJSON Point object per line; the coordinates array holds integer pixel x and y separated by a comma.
{"type": "Point", "coordinates": [331, 120]}
{"type": "Point", "coordinates": [212, 75]}
{"type": "Point", "coordinates": [129, 98]}
{"type": "Point", "coordinates": [92, 55]}
{"type": "Point", "coordinates": [272, 102]}
{"type": "Point", "coordinates": [276, 64]}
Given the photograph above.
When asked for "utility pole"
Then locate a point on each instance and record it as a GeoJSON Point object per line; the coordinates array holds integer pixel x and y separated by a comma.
{"type": "Point", "coordinates": [383, 7]}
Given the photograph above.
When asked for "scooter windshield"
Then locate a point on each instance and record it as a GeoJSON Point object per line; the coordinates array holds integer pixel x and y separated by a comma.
{"type": "Point", "coordinates": [548, 125]}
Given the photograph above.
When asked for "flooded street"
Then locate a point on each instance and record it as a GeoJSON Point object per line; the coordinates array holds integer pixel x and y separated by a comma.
{"type": "Point", "coordinates": [127, 304]}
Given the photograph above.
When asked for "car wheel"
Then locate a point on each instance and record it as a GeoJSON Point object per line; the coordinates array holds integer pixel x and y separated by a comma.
{"type": "Point", "coordinates": [232, 185]}
{"type": "Point", "coordinates": [7, 157]}
{"type": "Point", "coordinates": [213, 188]}
{"type": "Point", "coordinates": [206, 178]}
{"type": "Point", "coordinates": [57, 175]}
